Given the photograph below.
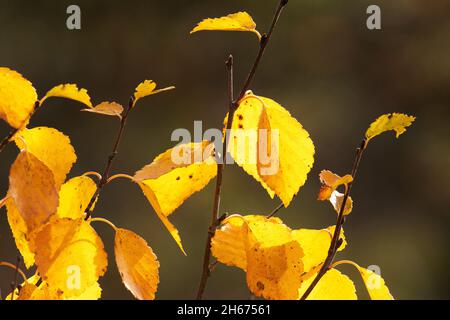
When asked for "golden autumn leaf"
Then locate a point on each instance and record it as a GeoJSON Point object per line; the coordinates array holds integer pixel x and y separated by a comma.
{"type": "Point", "coordinates": [397, 122]}
{"type": "Point", "coordinates": [174, 176]}
{"type": "Point", "coordinates": [329, 183]}
{"type": "Point", "coordinates": [333, 286]}
{"type": "Point", "coordinates": [107, 109]}
{"type": "Point", "coordinates": [138, 265]}
{"type": "Point", "coordinates": [240, 21]}
{"type": "Point", "coordinates": [336, 201]}
{"type": "Point", "coordinates": [274, 261]}
{"type": "Point", "coordinates": [31, 290]}
{"type": "Point", "coordinates": [17, 98]}
{"type": "Point", "coordinates": [51, 147]}
{"type": "Point", "coordinates": [20, 232]}
{"type": "Point", "coordinates": [74, 197]}
{"type": "Point", "coordinates": [69, 255]}
{"type": "Point", "coordinates": [147, 88]}
{"type": "Point", "coordinates": [69, 91]}
{"type": "Point", "coordinates": [93, 292]}
{"type": "Point", "coordinates": [228, 245]}
{"type": "Point", "coordinates": [32, 186]}
{"type": "Point", "coordinates": [374, 283]}
{"type": "Point", "coordinates": [283, 166]}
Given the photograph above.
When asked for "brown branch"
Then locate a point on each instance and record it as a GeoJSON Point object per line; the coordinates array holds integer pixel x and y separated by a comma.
{"type": "Point", "coordinates": [233, 104]}
{"type": "Point", "coordinates": [107, 171]}
{"type": "Point", "coordinates": [221, 163]}
{"type": "Point", "coordinates": [336, 240]}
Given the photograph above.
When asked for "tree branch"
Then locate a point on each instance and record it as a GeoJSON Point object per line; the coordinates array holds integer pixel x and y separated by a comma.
{"type": "Point", "coordinates": [107, 171]}
{"type": "Point", "coordinates": [335, 241]}
{"type": "Point", "coordinates": [233, 104]}
{"type": "Point", "coordinates": [220, 166]}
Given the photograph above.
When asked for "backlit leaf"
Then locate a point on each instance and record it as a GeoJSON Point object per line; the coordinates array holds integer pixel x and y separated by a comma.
{"type": "Point", "coordinates": [20, 232]}
{"type": "Point", "coordinates": [147, 88]}
{"type": "Point", "coordinates": [17, 98]}
{"type": "Point", "coordinates": [333, 286]}
{"type": "Point", "coordinates": [240, 21]}
{"type": "Point", "coordinates": [32, 186]}
{"type": "Point", "coordinates": [397, 122]}
{"type": "Point", "coordinates": [69, 91]}
{"type": "Point", "coordinates": [107, 108]}
{"type": "Point", "coordinates": [74, 197]}
{"type": "Point", "coordinates": [51, 147]}
{"type": "Point", "coordinates": [137, 264]}
{"type": "Point", "coordinates": [291, 157]}
{"type": "Point", "coordinates": [69, 255]}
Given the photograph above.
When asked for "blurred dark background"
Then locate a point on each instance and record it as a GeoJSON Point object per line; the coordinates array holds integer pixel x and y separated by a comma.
{"type": "Point", "coordinates": [323, 64]}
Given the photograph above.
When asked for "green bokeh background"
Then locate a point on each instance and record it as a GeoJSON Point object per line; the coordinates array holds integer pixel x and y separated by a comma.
{"type": "Point", "coordinates": [334, 76]}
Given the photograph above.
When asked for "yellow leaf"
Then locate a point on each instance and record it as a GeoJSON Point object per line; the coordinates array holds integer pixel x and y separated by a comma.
{"type": "Point", "coordinates": [32, 186]}
{"type": "Point", "coordinates": [137, 264]}
{"type": "Point", "coordinates": [69, 91]}
{"type": "Point", "coordinates": [51, 147]}
{"type": "Point", "coordinates": [169, 226]}
{"type": "Point", "coordinates": [17, 98]}
{"type": "Point", "coordinates": [69, 255]}
{"type": "Point", "coordinates": [20, 232]}
{"type": "Point", "coordinates": [274, 261]}
{"type": "Point", "coordinates": [93, 292]}
{"type": "Point", "coordinates": [331, 230]}
{"type": "Point", "coordinates": [228, 243]}
{"type": "Point", "coordinates": [315, 245]}
{"type": "Point", "coordinates": [107, 108]}
{"type": "Point", "coordinates": [397, 122]}
{"type": "Point", "coordinates": [30, 291]}
{"type": "Point", "coordinates": [178, 173]}
{"type": "Point", "coordinates": [74, 197]}
{"type": "Point", "coordinates": [291, 157]}
{"type": "Point", "coordinates": [333, 286]}
{"type": "Point", "coordinates": [240, 21]}
{"type": "Point", "coordinates": [374, 283]}
{"type": "Point", "coordinates": [147, 88]}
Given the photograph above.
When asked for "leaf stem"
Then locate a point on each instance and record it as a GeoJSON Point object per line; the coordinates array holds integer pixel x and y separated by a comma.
{"type": "Point", "coordinates": [340, 221]}
{"type": "Point", "coordinates": [106, 172]}
{"type": "Point", "coordinates": [274, 211]}
{"type": "Point", "coordinates": [109, 223]}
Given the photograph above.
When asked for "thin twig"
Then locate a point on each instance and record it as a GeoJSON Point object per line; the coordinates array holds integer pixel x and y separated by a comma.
{"type": "Point", "coordinates": [107, 171]}
{"type": "Point", "coordinates": [233, 104]}
{"type": "Point", "coordinates": [335, 241]}
{"type": "Point", "coordinates": [262, 47]}
{"type": "Point", "coordinates": [220, 166]}
{"type": "Point", "coordinates": [274, 211]}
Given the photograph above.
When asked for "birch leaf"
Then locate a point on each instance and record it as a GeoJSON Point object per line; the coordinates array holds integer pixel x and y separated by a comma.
{"type": "Point", "coordinates": [147, 88]}
{"type": "Point", "coordinates": [397, 122]}
{"type": "Point", "coordinates": [17, 98]}
{"type": "Point", "coordinates": [107, 109]}
{"type": "Point", "coordinates": [69, 91]}
{"type": "Point", "coordinates": [74, 197]}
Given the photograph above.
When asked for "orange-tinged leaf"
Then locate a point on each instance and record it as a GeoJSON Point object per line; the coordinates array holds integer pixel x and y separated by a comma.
{"type": "Point", "coordinates": [107, 109]}
{"type": "Point", "coordinates": [274, 261]}
{"type": "Point", "coordinates": [291, 157]}
{"type": "Point", "coordinates": [74, 197]}
{"type": "Point", "coordinates": [93, 292]}
{"type": "Point", "coordinates": [240, 21]}
{"type": "Point", "coordinates": [137, 264]}
{"type": "Point", "coordinates": [147, 88]}
{"type": "Point", "coordinates": [69, 91]}
{"type": "Point", "coordinates": [397, 122]}
{"type": "Point", "coordinates": [330, 182]}
{"type": "Point", "coordinates": [17, 98]}
{"type": "Point", "coordinates": [173, 180]}
{"type": "Point", "coordinates": [69, 255]}
{"type": "Point", "coordinates": [333, 286]}
{"type": "Point", "coordinates": [20, 232]}
{"type": "Point", "coordinates": [51, 147]}
{"type": "Point", "coordinates": [32, 186]}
